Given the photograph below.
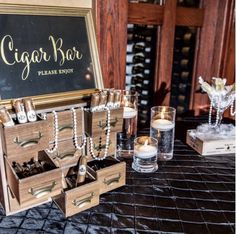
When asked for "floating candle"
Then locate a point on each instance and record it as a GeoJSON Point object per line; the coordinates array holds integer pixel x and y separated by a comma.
{"type": "Point", "coordinates": [145, 151]}
{"type": "Point", "coordinates": [162, 124]}
{"type": "Point", "coordinates": [129, 112]}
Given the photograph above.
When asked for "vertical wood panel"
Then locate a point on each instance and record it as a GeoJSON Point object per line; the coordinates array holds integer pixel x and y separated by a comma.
{"type": "Point", "coordinates": [163, 71]}
{"type": "Point", "coordinates": [111, 30]}
{"type": "Point", "coordinates": [212, 47]}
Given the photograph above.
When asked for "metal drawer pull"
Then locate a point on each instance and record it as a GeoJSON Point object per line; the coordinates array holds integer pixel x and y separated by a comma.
{"type": "Point", "coordinates": [28, 142]}
{"type": "Point", "coordinates": [39, 192]}
{"type": "Point", "coordinates": [65, 127]}
{"type": "Point", "coordinates": [103, 126]}
{"type": "Point", "coordinates": [100, 147]}
{"type": "Point", "coordinates": [111, 181]}
{"type": "Point", "coordinates": [66, 155]}
{"type": "Point", "coordinates": [85, 201]}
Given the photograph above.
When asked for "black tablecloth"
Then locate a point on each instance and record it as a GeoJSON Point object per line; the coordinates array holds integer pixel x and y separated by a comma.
{"type": "Point", "coordinates": [189, 194]}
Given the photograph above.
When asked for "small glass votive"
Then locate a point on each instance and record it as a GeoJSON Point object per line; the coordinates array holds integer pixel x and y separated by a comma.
{"type": "Point", "coordinates": [145, 154]}
{"type": "Point", "coordinates": [163, 129]}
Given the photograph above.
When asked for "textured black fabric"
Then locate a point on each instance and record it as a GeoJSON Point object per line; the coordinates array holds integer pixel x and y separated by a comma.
{"type": "Point", "coordinates": [189, 194]}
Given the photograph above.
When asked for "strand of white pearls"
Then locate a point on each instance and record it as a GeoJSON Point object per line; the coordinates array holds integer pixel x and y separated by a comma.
{"type": "Point", "coordinates": [55, 133]}
{"type": "Point", "coordinates": [232, 110]}
{"type": "Point", "coordinates": [75, 137]}
{"type": "Point", "coordinates": [91, 149]}
{"type": "Point", "coordinates": [217, 114]}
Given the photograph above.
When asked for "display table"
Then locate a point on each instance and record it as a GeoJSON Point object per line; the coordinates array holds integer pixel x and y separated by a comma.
{"type": "Point", "coordinates": [189, 194]}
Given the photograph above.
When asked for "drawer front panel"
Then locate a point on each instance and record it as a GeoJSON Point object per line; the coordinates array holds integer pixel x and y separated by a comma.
{"type": "Point", "coordinates": [65, 124]}
{"type": "Point", "coordinates": [66, 154]}
{"type": "Point", "coordinates": [111, 177]}
{"type": "Point", "coordinates": [79, 199]}
{"type": "Point", "coordinates": [36, 187]}
{"type": "Point", "coordinates": [99, 144]}
{"type": "Point", "coordinates": [96, 122]}
{"type": "Point", "coordinates": [26, 138]}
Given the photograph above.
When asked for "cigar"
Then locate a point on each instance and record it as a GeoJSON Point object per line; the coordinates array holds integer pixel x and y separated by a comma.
{"type": "Point", "coordinates": [20, 111]}
{"type": "Point", "coordinates": [30, 109]}
{"type": "Point", "coordinates": [117, 98]}
{"type": "Point", "coordinates": [94, 102]}
{"type": "Point", "coordinates": [5, 117]}
{"type": "Point", "coordinates": [110, 99]}
{"type": "Point", "coordinates": [102, 100]}
{"type": "Point", "coordinates": [81, 170]}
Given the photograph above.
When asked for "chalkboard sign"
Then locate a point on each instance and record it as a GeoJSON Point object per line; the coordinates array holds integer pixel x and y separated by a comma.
{"type": "Point", "coordinates": [46, 54]}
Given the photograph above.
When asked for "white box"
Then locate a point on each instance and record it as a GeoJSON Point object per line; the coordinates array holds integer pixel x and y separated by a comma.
{"type": "Point", "coordinates": [210, 146]}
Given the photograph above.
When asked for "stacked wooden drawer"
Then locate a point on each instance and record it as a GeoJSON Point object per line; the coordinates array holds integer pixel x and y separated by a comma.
{"type": "Point", "coordinates": [22, 143]}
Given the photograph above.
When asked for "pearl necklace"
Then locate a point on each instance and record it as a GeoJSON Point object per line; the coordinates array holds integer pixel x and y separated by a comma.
{"type": "Point", "coordinates": [91, 147]}
{"type": "Point", "coordinates": [232, 112]}
{"type": "Point", "coordinates": [217, 114]}
{"type": "Point", "coordinates": [75, 141]}
{"type": "Point", "coordinates": [55, 133]}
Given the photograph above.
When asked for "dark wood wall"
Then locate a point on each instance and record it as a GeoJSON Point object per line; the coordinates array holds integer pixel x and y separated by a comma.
{"type": "Point", "coordinates": [215, 44]}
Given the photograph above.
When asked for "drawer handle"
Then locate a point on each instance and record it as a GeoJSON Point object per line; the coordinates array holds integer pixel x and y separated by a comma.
{"type": "Point", "coordinates": [101, 147]}
{"type": "Point", "coordinates": [111, 181]}
{"type": "Point", "coordinates": [28, 142]}
{"type": "Point", "coordinates": [65, 127]}
{"type": "Point", "coordinates": [82, 202]}
{"type": "Point", "coordinates": [39, 192]}
{"type": "Point", "coordinates": [103, 126]}
{"type": "Point", "coordinates": [66, 155]}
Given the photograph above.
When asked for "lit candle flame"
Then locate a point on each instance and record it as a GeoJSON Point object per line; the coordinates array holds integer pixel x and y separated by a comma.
{"type": "Point", "coordinates": [162, 113]}
{"type": "Point", "coordinates": [146, 142]}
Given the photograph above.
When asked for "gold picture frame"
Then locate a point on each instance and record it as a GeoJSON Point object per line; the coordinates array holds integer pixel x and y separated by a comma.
{"type": "Point", "coordinates": [84, 14]}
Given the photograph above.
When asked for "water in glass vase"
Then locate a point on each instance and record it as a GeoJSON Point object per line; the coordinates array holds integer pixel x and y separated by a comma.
{"type": "Point", "coordinates": [125, 139]}
{"type": "Point", "coordinates": [165, 139]}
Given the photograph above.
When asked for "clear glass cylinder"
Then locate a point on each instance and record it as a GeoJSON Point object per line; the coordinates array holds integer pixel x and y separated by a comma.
{"type": "Point", "coordinates": [162, 128]}
{"type": "Point", "coordinates": [145, 154]}
{"type": "Point", "coordinates": [125, 139]}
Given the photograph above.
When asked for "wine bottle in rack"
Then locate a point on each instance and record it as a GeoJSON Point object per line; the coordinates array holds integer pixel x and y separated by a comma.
{"type": "Point", "coordinates": [137, 37]}
{"type": "Point", "coordinates": [137, 58]}
{"type": "Point", "coordinates": [139, 47]}
{"type": "Point", "coordinates": [182, 88]}
{"type": "Point", "coordinates": [141, 78]}
{"type": "Point", "coordinates": [137, 68]}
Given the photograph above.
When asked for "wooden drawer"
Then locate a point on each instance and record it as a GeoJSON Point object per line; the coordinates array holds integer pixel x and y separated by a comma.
{"type": "Point", "coordinates": [95, 122]}
{"type": "Point", "coordinates": [35, 187]}
{"type": "Point", "coordinates": [99, 144]}
{"type": "Point", "coordinates": [27, 138]}
{"type": "Point", "coordinates": [109, 172]}
{"type": "Point", "coordinates": [65, 124]}
{"type": "Point", "coordinates": [78, 199]}
{"type": "Point", "coordinates": [65, 155]}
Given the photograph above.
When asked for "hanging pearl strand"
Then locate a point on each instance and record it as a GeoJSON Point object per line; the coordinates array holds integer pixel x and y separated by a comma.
{"type": "Point", "coordinates": [107, 138]}
{"type": "Point", "coordinates": [55, 133]}
{"type": "Point", "coordinates": [232, 111]}
{"type": "Point", "coordinates": [75, 137]}
{"type": "Point", "coordinates": [210, 113]}
{"type": "Point", "coordinates": [217, 114]}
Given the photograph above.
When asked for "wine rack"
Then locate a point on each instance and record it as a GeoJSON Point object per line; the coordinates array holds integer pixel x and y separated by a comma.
{"type": "Point", "coordinates": [140, 67]}
{"type": "Point", "coordinates": [182, 71]}
{"type": "Point", "coordinates": [140, 64]}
